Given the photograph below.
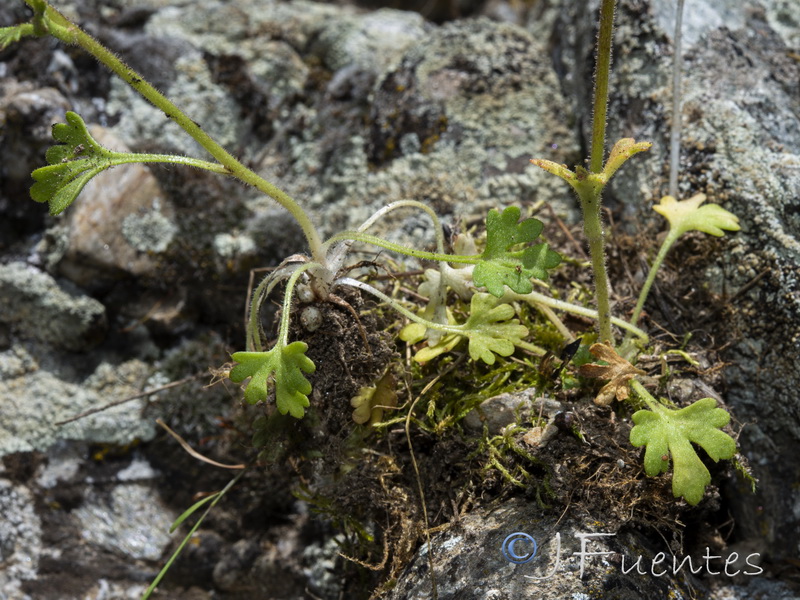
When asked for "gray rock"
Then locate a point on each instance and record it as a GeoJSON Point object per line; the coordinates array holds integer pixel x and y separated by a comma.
{"type": "Point", "coordinates": [20, 539]}
{"type": "Point", "coordinates": [500, 411]}
{"type": "Point", "coordinates": [27, 112]}
{"type": "Point", "coordinates": [749, 123]}
{"type": "Point", "coordinates": [130, 520]}
{"type": "Point", "coordinates": [119, 225]}
{"type": "Point", "coordinates": [757, 588]}
{"type": "Point", "coordinates": [30, 393]}
{"type": "Point", "coordinates": [478, 559]}
{"type": "Point", "coordinates": [741, 147]}
{"type": "Point", "coordinates": [39, 307]}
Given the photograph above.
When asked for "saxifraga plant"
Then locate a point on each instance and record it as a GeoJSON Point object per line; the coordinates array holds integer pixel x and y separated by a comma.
{"type": "Point", "coordinates": [505, 271]}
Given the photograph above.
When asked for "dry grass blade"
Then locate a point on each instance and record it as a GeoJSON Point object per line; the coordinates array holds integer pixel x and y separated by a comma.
{"type": "Point", "coordinates": [184, 444]}
{"type": "Point", "coordinates": [92, 411]}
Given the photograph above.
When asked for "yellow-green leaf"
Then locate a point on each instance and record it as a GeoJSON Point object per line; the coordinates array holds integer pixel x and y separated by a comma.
{"type": "Point", "coordinates": [693, 215]}
{"type": "Point", "coordinates": [491, 329]}
{"type": "Point", "coordinates": [670, 433]}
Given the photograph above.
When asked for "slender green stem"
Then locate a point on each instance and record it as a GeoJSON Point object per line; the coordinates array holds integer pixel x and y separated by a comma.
{"type": "Point", "coordinates": [532, 348]}
{"type": "Point", "coordinates": [601, 74]}
{"type": "Point", "coordinates": [283, 330]}
{"type": "Point", "coordinates": [253, 337]}
{"type": "Point", "coordinates": [593, 230]}
{"type": "Point", "coordinates": [456, 329]}
{"type": "Point", "coordinates": [48, 20]}
{"type": "Point", "coordinates": [533, 298]}
{"type": "Point", "coordinates": [536, 299]}
{"type": "Point", "coordinates": [437, 226]}
{"type": "Point", "coordinates": [590, 200]}
{"type": "Point", "coordinates": [336, 256]}
{"type": "Point", "coordinates": [642, 392]}
{"type": "Point", "coordinates": [558, 323]}
{"type": "Point", "coordinates": [672, 236]}
{"type": "Point", "coordinates": [438, 296]}
{"type": "Point", "coordinates": [358, 236]}
{"type": "Point", "coordinates": [262, 291]}
{"type": "Point", "coordinates": [187, 161]}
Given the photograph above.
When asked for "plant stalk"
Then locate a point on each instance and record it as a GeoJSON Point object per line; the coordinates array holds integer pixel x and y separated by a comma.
{"type": "Point", "coordinates": [48, 20]}
{"type": "Point", "coordinates": [186, 161]}
{"type": "Point", "coordinates": [590, 201]}
{"type": "Point", "coordinates": [456, 329]}
{"type": "Point", "coordinates": [601, 75]}
{"type": "Point", "coordinates": [536, 299]}
{"type": "Point", "coordinates": [672, 236]}
{"type": "Point", "coordinates": [648, 398]}
{"type": "Point", "coordinates": [360, 236]}
{"type": "Point", "coordinates": [593, 230]}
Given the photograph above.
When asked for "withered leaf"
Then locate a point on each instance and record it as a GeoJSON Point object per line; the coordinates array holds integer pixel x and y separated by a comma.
{"type": "Point", "coordinates": [618, 372]}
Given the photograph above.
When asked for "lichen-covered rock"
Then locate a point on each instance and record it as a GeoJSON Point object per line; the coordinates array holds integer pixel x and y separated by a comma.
{"type": "Point", "coordinates": [452, 121]}
{"type": "Point", "coordinates": [511, 551]}
{"type": "Point", "coordinates": [39, 307]}
{"type": "Point", "coordinates": [20, 539]}
{"type": "Point", "coordinates": [35, 399]}
{"type": "Point", "coordinates": [26, 112]}
{"type": "Point", "coordinates": [746, 132]}
{"type": "Point", "coordinates": [130, 519]}
{"type": "Point", "coordinates": [741, 147]}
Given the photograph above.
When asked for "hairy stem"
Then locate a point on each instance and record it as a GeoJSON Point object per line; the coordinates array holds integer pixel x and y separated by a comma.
{"type": "Point", "coordinates": [537, 299]}
{"type": "Point", "coordinates": [437, 226]}
{"type": "Point", "coordinates": [264, 289]}
{"type": "Point", "coordinates": [359, 236]}
{"type": "Point", "coordinates": [253, 333]}
{"type": "Point", "coordinates": [593, 230]}
{"type": "Point", "coordinates": [601, 73]}
{"type": "Point", "coordinates": [590, 200]}
{"type": "Point", "coordinates": [283, 329]}
{"type": "Point", "coordinates": [361, 285]}
{"type": "Point", "coordinates": [642, 392]}
{"type": "Point", "coordinates": [186, 161]}
{"type": "Point", "coordinates": [47, 20]}
{"type": "Point", "coordinates": [457, 329]}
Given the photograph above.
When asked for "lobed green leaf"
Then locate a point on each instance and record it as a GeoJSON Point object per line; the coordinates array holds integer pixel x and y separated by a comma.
{"type": "Point", "coordinates": [670, 433]}
{"type": "Point", "coordinates": [500, 266]}
{"type": "Point", "coordinates": [71, 164]}
{"type": "Point", "coordinates": [285, 365]}
{"type": "Point", "coordinates": [621, 152]}
{"type": "Point", "coordinates": [693, 215]}
{"type": "Point", "coordinates": [491, 330]}
{"type": "Point", "coordinates": [444, 345]}
{"type": "Point", "coordinates": [59, 185]}
{"type": "Point", "coordinates": [584, 181]}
